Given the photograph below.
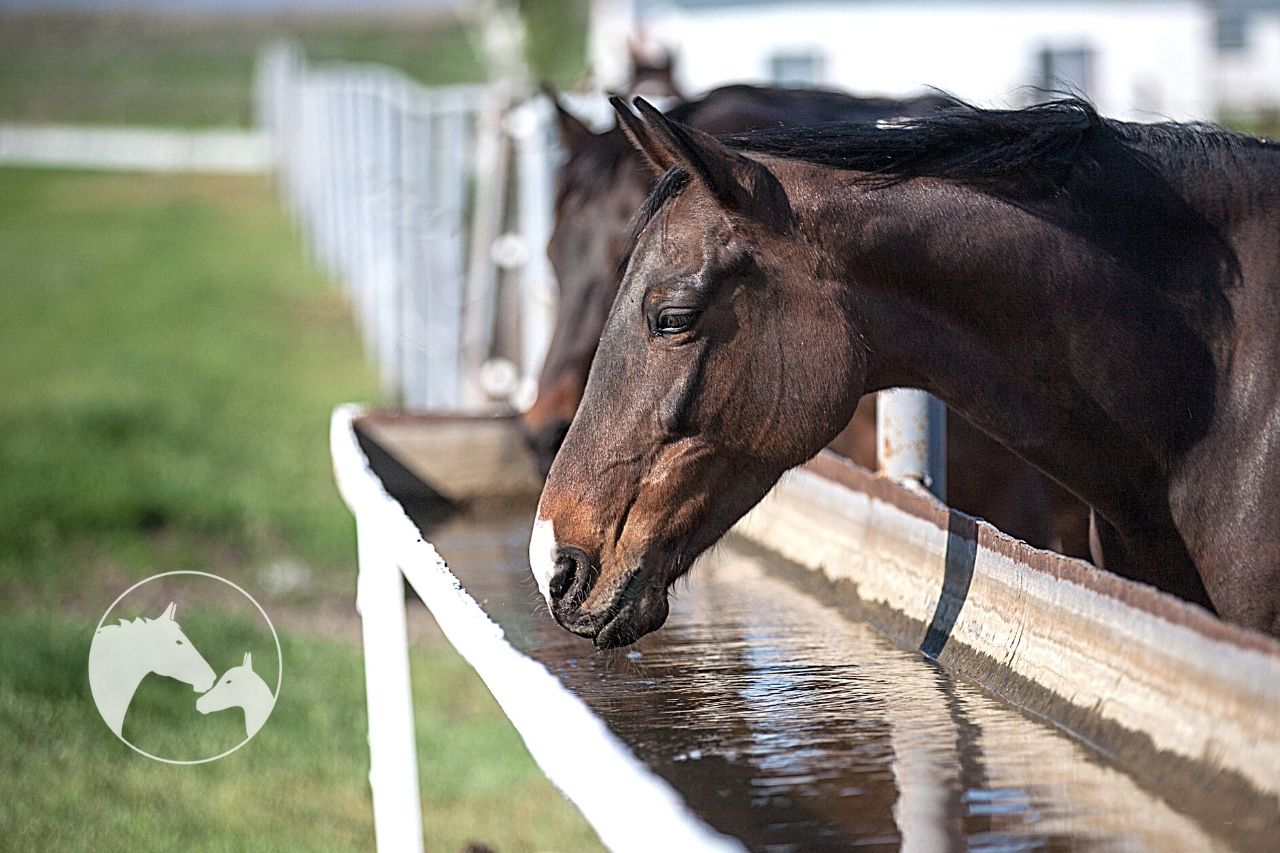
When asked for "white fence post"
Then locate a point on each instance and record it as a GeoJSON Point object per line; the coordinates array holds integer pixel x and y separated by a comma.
{"type": "Point", "coordinates": [393, 760]}
{"type": "Point", "coordinates": [911, 438]}
{"type": "Point", "coordinates": [493, 157]}
{"type": "Point", "coordinates": [530, 127]}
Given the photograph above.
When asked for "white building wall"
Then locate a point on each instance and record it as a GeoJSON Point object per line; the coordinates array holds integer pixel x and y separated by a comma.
{"type": "Point", "coordinates": [1248, 78]}
{"type": "Point", "coordinates": [1152, 58]}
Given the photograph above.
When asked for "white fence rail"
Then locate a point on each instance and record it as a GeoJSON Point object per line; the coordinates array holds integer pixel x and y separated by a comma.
{"type": "Point", "coordinates": [143, 149]}
{"type": "Point", "coordinates": [391, 552]}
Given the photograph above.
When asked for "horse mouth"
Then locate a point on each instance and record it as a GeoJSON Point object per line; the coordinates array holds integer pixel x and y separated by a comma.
{"type": "Point", "coordinates": [618, 631]}
{"type": "Point", "coordinates": [632, 617]}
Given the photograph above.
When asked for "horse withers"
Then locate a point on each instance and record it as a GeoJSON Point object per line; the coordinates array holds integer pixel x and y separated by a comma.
{"type": "Point", "coordinates": [1100, 296]}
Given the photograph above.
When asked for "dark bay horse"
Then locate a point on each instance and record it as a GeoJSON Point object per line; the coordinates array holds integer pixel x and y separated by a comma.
{"type": "Point", "coordinates": [599, 187]}
{"type": "Point", "coordinates": [1102, 297]}
{"type": "Point", "coordinates": [602, 182]}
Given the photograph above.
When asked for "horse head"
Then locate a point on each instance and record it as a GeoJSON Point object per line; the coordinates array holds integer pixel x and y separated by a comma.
{"type": "Point", "coordinates": [727, 324]}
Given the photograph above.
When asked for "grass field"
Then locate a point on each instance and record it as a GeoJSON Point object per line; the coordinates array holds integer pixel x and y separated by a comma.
{"type": "Point", "coordinates": [195, 72]}
{"type": "Point", "coordinates": [169, 363]}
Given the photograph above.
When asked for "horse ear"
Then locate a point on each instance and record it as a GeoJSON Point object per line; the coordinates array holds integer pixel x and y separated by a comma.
{"type": "Point", "coordinates": [248, 660]}
{"type": "Point", "coordinates": [573, 133]}
{"type": "Point", "coordinates": [740, 184]}
{"type": "Point", "coordinates": [168, 611]}
{"type": "Point", "coordinates": [655, 155]}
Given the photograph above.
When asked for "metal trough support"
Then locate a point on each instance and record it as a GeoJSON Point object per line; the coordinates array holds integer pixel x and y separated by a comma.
{"type": "Point", "coordinates": [911, 438]}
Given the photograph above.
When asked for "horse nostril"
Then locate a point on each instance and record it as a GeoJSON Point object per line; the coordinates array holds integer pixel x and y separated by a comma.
{"type": "Point", "coordinates": [571, 564]}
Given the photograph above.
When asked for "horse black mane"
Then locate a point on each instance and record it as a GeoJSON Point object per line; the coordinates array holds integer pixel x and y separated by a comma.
{"type": "Point", "coordinates": [1029, 151]}
{"type": "Point", "coordinates": [969, 144]}
{"type": "Point", "coordinates": [960, 142]}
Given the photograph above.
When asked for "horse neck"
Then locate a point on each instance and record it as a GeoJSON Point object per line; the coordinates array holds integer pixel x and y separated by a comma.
{"type": "Point", "coordinates": [970, 298]}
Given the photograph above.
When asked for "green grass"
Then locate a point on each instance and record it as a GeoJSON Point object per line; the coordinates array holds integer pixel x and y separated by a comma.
{"type": "Point", "coordinates": [193, 71]}
{"type": "Point", "coordinates": [66, 783]}
{"type": "Point", "coordinates": [1265, 123]}
{"type": "Point", "coordinates": [556, 33]}
{"type": "Point", "coordinates": [176, 70]}
{"type": "Point", "coordinates": [170, 362]}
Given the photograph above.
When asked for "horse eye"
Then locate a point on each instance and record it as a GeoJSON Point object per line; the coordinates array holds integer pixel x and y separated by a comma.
{"type": "Point", "coordinates": [179, 642]}
{"type": "Point", "coordinates": [673, 321]}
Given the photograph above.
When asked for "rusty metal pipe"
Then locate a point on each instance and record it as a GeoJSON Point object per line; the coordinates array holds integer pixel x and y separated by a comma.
{"type": "Point", "coordinates": [911, 438]}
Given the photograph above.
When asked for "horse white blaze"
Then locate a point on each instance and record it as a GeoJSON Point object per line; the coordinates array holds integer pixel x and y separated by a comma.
{"type": "Point", "coordinates": [542, 554]}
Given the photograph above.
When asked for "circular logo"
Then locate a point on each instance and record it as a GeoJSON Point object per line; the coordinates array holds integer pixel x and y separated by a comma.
{"type": "Point", "coordinates": [185, 667]}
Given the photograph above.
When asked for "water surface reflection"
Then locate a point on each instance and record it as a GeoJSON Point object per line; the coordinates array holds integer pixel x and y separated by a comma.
{"type": "Point", "coordinates": [790, 726]}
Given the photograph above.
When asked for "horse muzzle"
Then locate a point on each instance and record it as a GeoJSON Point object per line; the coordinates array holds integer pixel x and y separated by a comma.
{"type": "Point", "coordinates": [621, 624]}
{"type": "Point", "coordinates": [634, 610]}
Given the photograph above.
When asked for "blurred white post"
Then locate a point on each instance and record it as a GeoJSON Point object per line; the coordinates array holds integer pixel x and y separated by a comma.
{"type": "Point", "coordinates": [387, 231]}
{"type": "Point", "coordinates": [493, 151]}
{"type": "Point", "coordinates": [500, 37]}
{"type": "Point", "coordinates": [415, 151]}
{"type": "Point", "coordinates": [529, 125]}
{"type": "Point", "coordinates": [393, 759]}
{"type": "Point", "coordinates": [911, 438]}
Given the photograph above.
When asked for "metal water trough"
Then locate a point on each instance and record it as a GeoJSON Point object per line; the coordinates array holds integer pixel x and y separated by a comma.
{"type": "Point", "coordinates": [1178, 699]}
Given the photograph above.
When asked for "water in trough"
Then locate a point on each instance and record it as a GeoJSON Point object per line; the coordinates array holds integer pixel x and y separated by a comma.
{"type": "Point", "coordinates": [790, 725]}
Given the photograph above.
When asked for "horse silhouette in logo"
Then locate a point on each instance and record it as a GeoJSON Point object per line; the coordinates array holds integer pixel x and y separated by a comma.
{"type": "Point", "coordinates": [240, 687]}
{"type": "Point", "coordinates": [124, 654]}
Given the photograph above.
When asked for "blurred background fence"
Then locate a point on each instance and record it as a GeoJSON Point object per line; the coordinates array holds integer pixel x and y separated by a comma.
{"type": "Point", "coordinates": [431, 206]}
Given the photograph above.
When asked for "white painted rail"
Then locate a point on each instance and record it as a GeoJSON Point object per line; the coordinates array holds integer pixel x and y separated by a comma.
{"type": "Point", "coordinates": [535, 701]}
{"type": "Point", "coordinates": [911, 438]}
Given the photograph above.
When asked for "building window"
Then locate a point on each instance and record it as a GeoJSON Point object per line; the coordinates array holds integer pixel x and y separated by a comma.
{"type": "Point", "coordinates": [1066, 69]}
{"type": "Point", "coordinates": [1232, 30]}
{"type": "Point", "coordinates": [796, 68]}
